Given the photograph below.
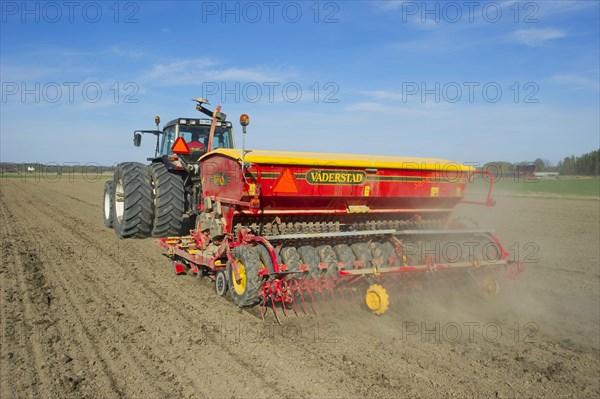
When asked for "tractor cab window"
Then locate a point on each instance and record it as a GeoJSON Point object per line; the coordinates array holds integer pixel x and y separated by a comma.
{"type": "Point", "coordinates": [167, 141]}
{"type": "Point", "coordinates": [222, 138]}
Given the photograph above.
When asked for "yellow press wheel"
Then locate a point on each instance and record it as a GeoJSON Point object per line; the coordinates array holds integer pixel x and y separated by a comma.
{"type": "Point", "coordinates": [239, 284]}
{"type": "Point", "coordinates": [246, 286]}
{"type": "Point", "coordinates": [489, 287]}
{"type": "Point", "coordinates": [377, 299]}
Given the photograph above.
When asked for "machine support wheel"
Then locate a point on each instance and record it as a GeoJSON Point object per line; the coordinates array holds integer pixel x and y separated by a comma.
{"type": "Point", "coordinates": [362, 253]}
{"type": "Point", "coordinates": [132, 200]}
{"type": "Point", "coordinates": [290, 257]}
{"type": "Point", "coordinates": [489, 287]}
{"type": "Point", "coordinates": [108, 204]}
{"type": "Point", "coordinates": [245, 290]}
{"type": "Point", "coordinates": [327, 256]}
{"type": "Point", "coordinates": [310, 257]}
{"type": "Point", "coordinates": [265, 258]}
{"type": "Point", "coordinates": [221, 285]}
{"type": "Point", "coordinates": [379, 252]}
{"type": "Point", "coordinates": [169, 201]}
{"type": "Point", "coordinates": [377, 299]}
{"type": "Point", "coordinates": [345, 255]}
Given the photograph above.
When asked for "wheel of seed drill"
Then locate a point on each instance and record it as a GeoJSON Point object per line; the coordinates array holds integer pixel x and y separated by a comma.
{"type": "Point", "coordinates": [245, 289]}
{"type": "Point", "coordinates": [391, 252]}
{"type": "Point", "coordinates": [327, 256]}
{"type": "Point", "coordinates": [489, 287]}
{"type": "Point", "coordinates": [309, 256]}
{"type": "Point", "coordinates": [344, 254]}
{"type": "Point", "coordinates": [108, 204]}
{"type": "Point", "coordinates": [290, 257]}
{"type": "Point", "coordinates": [221, 285]}
{"type": "Point", "coordinates": [377, 299]}
{"type": "Point", "coordinates": [379, 253]}
{"type": "Point", "coordinates": [362, 253]}
{"type": "Point", "coordinates": [265, 258]}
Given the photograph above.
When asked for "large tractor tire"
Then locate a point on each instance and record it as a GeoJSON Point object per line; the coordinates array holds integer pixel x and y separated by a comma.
{"type": "Point", "coordinates": [132, 201]}
{"type": "Point", "coordinates": [169, 201]}
{"type": "Point", "coordinates": [245, 290]}
{"type": "Point", "coordinates": [108, 204]}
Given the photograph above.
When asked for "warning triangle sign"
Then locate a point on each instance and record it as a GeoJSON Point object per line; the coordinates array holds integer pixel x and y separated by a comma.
{"type": "Point", "coordinates": [180, 146]}
{"type": "Point", "coordinates": [286, 183]}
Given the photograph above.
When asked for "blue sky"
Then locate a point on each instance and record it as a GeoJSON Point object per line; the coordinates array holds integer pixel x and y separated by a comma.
{"type": "Point", "coordinates": [466, 81]}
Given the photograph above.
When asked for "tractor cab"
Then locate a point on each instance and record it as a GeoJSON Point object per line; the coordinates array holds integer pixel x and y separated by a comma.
{"type": "Point", "coordinates": [187, 139]}
{"type": "Point", "coordinates": [195, 135]}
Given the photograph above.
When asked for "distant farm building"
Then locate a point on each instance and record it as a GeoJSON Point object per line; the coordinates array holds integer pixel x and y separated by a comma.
{"type": "Point", "coordinates": [542, 175]}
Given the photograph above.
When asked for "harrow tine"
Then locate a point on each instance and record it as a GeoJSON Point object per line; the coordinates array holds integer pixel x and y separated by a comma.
{"type": "Point", "coordinates": [283, 306]}
{"type": "Point", "coordinates": [323, 299]}
{"type": "Point", "coordinates": [296, 289]}
{"type": "Point", "coordinates": [312, 302]}
{"type": "Point", "coordinates": [294, 305]}
{"type": "Point", "coordinates": [303, 303]}
{"type": "Point", "coordinates": [274, 310]}
{"type": "Point", "coordinates": [263, 308]}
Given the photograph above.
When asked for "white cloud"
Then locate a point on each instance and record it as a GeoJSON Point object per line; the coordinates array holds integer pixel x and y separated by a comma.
{"type": "Point", "coordinates": [537, 37]}
{"type": "Point", "coordinates": [194, 71]}
{"type": "Point", "coordinates": [426, 111]}
{"type": "Point", "coordinates": [577, 81]}
{"type": "Point", "coordinates": [382, 94]}
{"type": "Point", "coordinates": [116, 50]}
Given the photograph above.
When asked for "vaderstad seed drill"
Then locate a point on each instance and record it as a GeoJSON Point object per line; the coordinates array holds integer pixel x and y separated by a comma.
{"type": "Point", "coordinates": [287, 230]}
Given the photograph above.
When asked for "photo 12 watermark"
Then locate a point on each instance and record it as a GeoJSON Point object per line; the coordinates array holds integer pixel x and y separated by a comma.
{"type": "Point", "coordinates": [70, 92]}
{"type": "Point", "coordinates": [453, 12]}
{"type": "Point", "coordinates": [468, 331]}
{"type": "Point", "coordinates": [469, 92]}
{"type": "Point", "coordinates": [271, 92]}
{"type": "Point", "coordinates": [52, 12]}
{"type": "Point", "coordinates": [252, 12]}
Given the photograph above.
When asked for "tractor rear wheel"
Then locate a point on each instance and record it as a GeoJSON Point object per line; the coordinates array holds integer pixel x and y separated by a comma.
{"type": "Point", "coordinates": [245, 290]}
{"type": "Point", "coordinates": [169, 201]}
{"type": "Point", "coordinates": [132, 200]}
{"type": "Point", "coordinates": [108, 203]}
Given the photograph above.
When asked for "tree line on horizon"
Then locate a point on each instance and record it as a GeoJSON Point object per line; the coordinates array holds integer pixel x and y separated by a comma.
{"type": "Point", "coordinates": [587, 164]}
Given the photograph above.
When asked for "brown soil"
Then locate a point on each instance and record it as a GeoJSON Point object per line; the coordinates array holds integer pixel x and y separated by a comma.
{"type": "Point", "coordinates": [86, 315]}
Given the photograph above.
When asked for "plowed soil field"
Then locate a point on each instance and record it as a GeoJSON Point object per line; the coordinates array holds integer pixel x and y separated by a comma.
{"type": "Point", "coordinates": [87, 315]}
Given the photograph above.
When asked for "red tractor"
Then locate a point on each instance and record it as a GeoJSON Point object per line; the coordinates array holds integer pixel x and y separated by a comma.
{"type": "Point", "coordinates": [159, 199]}
{"type": "Point", "coordinates": [289, 229]}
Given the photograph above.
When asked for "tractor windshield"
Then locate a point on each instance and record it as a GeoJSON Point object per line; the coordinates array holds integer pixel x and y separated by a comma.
{"type": "Point", "coordinates": [197, 137]}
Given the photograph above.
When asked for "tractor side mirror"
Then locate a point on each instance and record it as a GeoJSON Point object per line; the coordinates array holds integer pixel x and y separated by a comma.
{"type": "Point", "coordinates": [137, 139]}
